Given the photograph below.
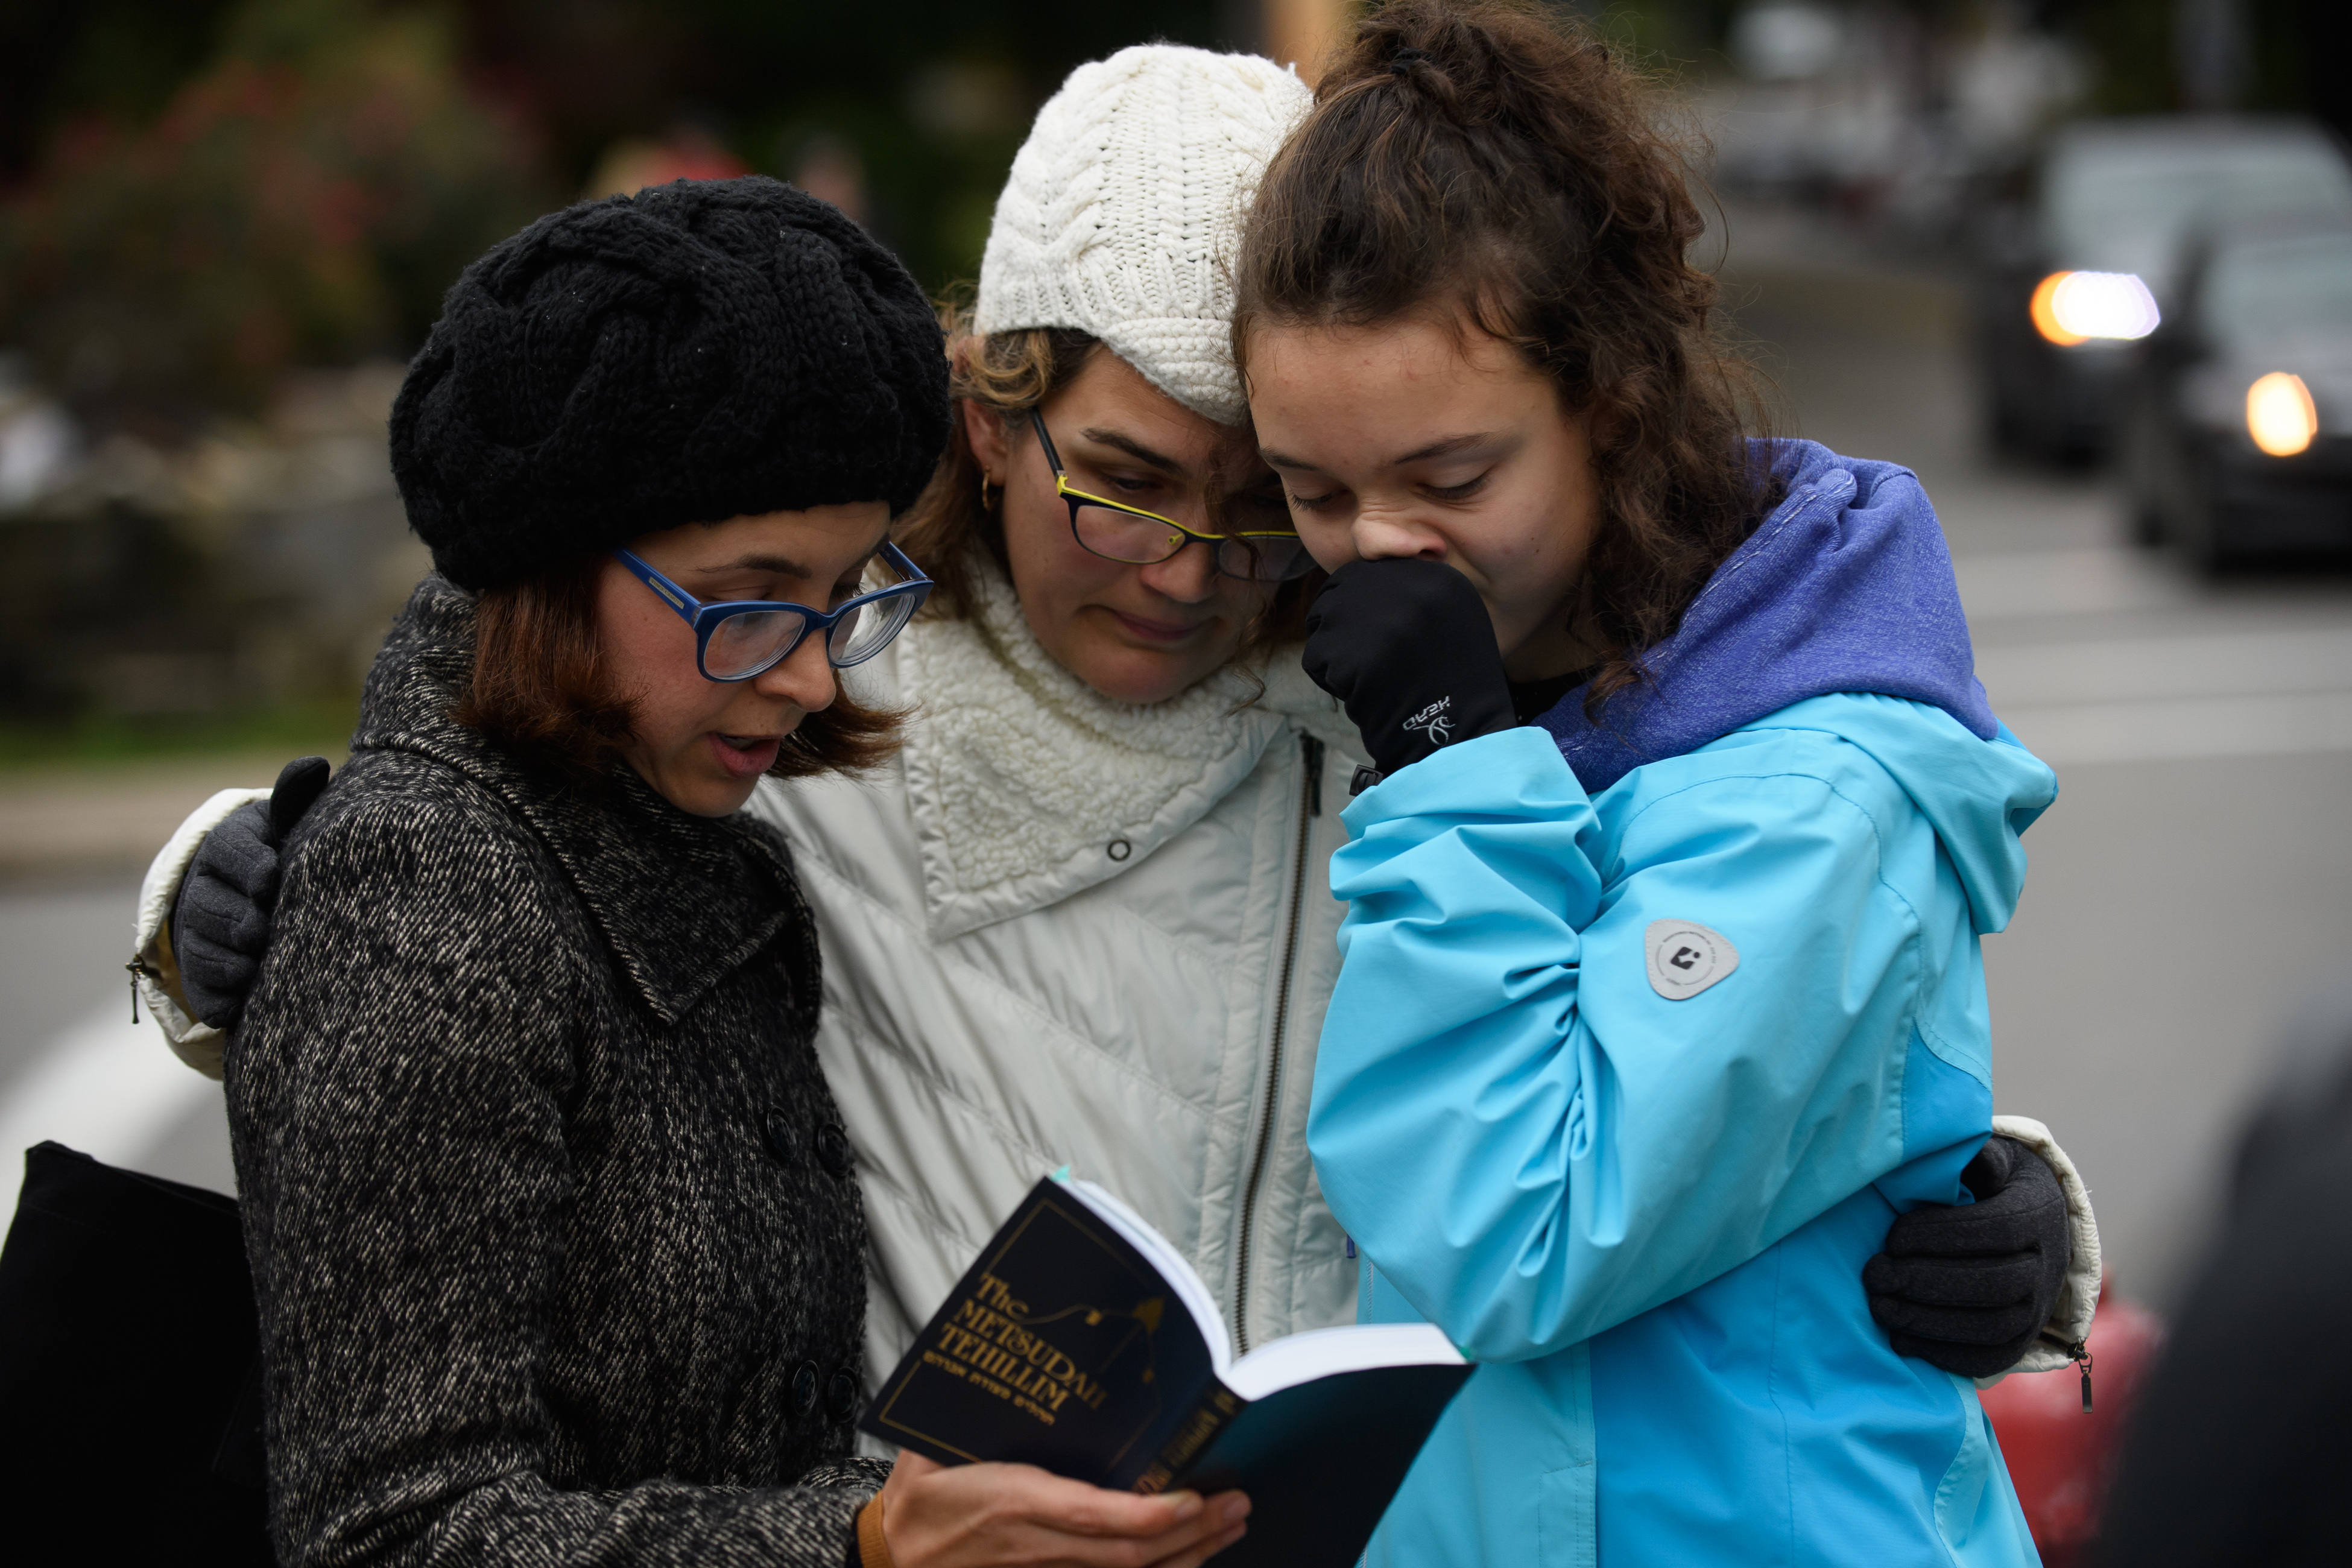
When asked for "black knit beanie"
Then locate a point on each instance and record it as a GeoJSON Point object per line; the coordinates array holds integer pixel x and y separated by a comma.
{"type": "Point", "coordinates": [693, 352]}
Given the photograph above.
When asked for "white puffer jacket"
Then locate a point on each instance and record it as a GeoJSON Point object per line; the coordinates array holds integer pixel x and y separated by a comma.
{"type": "Point", "coordinates": [1065, 930]}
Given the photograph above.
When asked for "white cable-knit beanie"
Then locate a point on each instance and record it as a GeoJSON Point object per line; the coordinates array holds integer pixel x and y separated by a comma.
{"type": "Point", "coordinates": [1120, 214]}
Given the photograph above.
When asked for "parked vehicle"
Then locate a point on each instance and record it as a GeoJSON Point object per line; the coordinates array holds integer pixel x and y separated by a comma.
{"type": "Point", "coordinates": [2238, 439]}
{"type": "Point", "coordinates": [2088, 265]}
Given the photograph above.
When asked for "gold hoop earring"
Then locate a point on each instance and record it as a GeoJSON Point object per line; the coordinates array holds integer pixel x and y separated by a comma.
{"type": "Point", "coordinates": [985, 504]}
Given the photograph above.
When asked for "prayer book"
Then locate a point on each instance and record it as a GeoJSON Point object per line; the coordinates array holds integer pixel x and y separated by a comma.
{"type": "Point", "coordinates": [1082, 1342]}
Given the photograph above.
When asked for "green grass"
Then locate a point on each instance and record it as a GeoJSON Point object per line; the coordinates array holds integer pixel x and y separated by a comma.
{"type": "Point", "coordinates": [321, 726]}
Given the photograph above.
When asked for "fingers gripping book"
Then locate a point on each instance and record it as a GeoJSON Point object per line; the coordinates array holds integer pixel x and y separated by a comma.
{"type": "Point", "coordinates": [1083, 1343]}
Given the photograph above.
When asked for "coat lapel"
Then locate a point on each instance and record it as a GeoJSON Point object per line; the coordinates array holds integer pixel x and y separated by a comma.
{"type": "Point", "coordinates": [668, 889]}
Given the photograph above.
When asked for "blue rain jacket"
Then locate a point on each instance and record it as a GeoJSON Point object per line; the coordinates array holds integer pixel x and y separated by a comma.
{"type": "Point", "coordinates": [1646, 1209]}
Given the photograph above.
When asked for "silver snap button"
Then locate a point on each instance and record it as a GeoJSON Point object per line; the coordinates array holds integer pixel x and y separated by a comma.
{"type": "Point", "coordinates": [1121, 849]}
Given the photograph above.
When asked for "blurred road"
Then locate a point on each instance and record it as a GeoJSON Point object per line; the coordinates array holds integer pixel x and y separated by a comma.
{"type": "Point", "coordinates": [2190, 891]}
{"type": "Point", "coordinates": [73, 1067]}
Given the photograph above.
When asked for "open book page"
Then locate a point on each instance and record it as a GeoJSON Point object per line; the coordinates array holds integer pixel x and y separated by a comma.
{"type": "Point", "coordinates": [1173, 1264]}
{"type": "Point", "coordinates": [1320, 1353]}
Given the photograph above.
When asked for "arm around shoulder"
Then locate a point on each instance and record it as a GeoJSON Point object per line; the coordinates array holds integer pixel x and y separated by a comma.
{"type": "Point", "coordinates": [2078, 1298]}
{"type": "Point", "coordinates": [155, 972]}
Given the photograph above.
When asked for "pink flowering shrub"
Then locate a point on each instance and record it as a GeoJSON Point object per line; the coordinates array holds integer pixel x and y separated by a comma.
{"type": "Point", "coordinates": [296, 209]}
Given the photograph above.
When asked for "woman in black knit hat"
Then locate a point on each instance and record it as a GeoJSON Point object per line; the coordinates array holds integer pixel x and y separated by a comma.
{"type": "Point", "coordinates": [556, 1236]}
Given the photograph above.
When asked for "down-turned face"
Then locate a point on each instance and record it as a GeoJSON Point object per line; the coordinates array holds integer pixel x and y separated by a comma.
{"type": "Point", "coordinates": [702, 744]}
{"type": "Point", "coordinates": [1134, 633]}
{"type": "Point", "coordinates": [1423, 437]}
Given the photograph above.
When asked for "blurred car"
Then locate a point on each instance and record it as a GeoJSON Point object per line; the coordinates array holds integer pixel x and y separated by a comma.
{"type": "Point", "coordinates": [2086, 266]}
{"type": "Point", "coordinates": [2238, 436]}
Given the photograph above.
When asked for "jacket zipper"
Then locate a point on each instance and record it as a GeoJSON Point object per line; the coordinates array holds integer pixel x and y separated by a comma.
{"type": "Point", "coordinates": [140, 968]}
{"type": "Point", "coordinates": [1310, 806]}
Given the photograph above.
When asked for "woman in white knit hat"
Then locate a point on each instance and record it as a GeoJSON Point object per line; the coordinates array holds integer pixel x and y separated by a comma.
{"type": "Point", "coordinates": [1084, 917]}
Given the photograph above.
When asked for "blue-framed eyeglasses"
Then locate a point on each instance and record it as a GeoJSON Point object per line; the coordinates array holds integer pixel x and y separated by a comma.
{"type": "Point", "coordinates": [736, 639]}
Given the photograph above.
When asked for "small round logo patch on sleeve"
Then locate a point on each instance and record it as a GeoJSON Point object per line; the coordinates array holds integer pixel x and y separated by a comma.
{"type": "Point", "coordinates": [1685, 958]}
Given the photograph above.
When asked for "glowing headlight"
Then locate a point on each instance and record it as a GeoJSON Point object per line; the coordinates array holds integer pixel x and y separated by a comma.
{"type": "Point", "coordinates": [2280, 416]}
{"type": "Point", "coordinates": [2072, 308]}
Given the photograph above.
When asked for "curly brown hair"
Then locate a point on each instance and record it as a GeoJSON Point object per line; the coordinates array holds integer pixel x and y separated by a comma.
{"type": "Point", "coordinates": [1010, 373]}
{"type": "Point", "coordinates": [1511, 170]}
{"type": "Point", "coordinates": [541, 691]}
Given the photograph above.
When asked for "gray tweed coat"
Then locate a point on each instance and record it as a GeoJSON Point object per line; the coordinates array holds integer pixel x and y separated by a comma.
{"type": "Point", "coordinates": [558, 1249]}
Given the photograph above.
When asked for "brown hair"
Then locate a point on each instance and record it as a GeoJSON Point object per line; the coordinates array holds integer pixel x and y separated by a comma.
{"type": "Point", "coordinates": [1010, 373]}
{"type": "Point", "coordinates": [1473, 155]}
{"type": "Point", "coordinates": [541, 690]}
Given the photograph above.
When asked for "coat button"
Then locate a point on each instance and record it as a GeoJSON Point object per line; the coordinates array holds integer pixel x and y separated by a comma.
{"type": "Point", "coordinates": [833, 1150]}
{"type": "Point", "coordinates": [804, 1388]}
{"type": "Point", "coordinates": [840, 1397]}
{"type": "Point", "coordinates": [777, 1129]}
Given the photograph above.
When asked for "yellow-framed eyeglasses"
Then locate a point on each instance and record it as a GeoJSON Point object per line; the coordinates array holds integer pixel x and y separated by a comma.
{"type": "Point", "coordinates": [1119, 533]}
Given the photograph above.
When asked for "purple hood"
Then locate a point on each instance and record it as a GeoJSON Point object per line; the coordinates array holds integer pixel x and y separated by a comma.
{"type": "Point", "coordinates": [1846, 587]}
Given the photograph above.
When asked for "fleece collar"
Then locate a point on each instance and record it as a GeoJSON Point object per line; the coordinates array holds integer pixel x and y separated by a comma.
{"type": "Point", "coordinates": [1847, 587]}
{"type": "Point", "coordinates": [1027, 785]}
{"type": "Point", "coordinates": [682, 900]}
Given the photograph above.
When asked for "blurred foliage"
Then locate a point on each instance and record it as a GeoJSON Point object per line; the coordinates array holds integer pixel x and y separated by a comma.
{"type": "Point", "coordinates": [205, 191]}
{"type": "Point", "coordinates": [2298, 58]}
{"type": "Point", "coordinates": [318, 726]}
{"type": "Point", "coordinates": [932, 96]}
{"type": "Point", "coordinates": [2131, 40]}
{"type": "Point", "coordinates": [208, 192]}
{"type": "Point", "coordinates": [304, 200]}
{"type": "Point", "coordinates": [79, 595]}
{"type": "Point", "coordinates": [119, 58]}
{"type": "Point", "coordinates": [198, 197]}
{"type": "Point", "coordinates": [2135, 46]}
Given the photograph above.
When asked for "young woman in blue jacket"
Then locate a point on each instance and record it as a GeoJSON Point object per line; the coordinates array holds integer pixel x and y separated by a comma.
{"type": "Point", "coordinates": [1662, 994]}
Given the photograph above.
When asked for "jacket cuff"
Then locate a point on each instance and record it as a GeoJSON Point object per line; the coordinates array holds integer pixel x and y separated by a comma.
{"type": "Point", "coordinates": [2078, 1298]}
{"type": "Point", "coordinates": [1523, 762]}
{"type": "Point", "coordinates": [867, 1549]}
{"type": "Point", "coordinates": [155, 972]}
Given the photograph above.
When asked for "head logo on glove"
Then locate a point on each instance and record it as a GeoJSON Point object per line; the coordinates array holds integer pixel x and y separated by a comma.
{"type": "Point", "coordinates": [1434, 721]}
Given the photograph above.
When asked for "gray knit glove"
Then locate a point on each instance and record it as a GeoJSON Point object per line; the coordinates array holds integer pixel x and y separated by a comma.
{"type": "Point", "coordinates": [220, 921]}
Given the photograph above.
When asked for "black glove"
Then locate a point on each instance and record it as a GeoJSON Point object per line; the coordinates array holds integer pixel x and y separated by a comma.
{"type": "Point", "coordinates": [220, 921]}
{"type": "Point", "coordinates": [1967, 1287]}
{"type": "Point", "coordinates": [1408, 649]}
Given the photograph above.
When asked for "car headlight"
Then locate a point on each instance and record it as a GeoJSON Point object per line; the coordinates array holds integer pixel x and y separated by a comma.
{"type": "Point", "coordinates": [2280, 415]}
{"type": "Point", "coordinates": [2070, 308]}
